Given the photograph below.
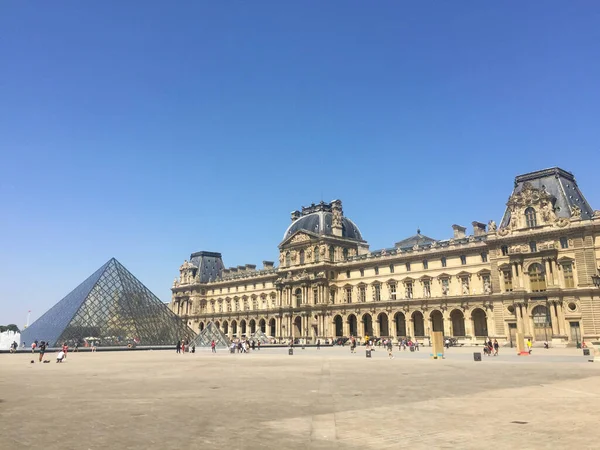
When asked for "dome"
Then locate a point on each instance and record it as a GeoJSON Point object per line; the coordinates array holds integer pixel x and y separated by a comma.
{"type": "Point", "coordinates": [320, 223]}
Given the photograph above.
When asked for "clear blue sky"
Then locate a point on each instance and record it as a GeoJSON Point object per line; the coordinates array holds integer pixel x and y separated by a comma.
{"type": "Point", "coordinates": [150, 130]}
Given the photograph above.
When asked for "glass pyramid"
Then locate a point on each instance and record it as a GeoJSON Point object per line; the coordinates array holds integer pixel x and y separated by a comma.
{"type": "Point", "coordinates": [209, 333]}
{"type": "Point", "coordinates": [259, 336]}
{"type": "Point", "coordinates": [111, 308]}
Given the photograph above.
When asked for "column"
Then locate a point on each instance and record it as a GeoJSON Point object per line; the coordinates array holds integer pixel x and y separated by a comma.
{"type": "Point", "coordinates": [521, 275]}
{"type": "Point", "coordinates": [549, 272]}
{"type": "Point", "coordinates": [346, 328]}
{"type": "Point", "coordinates": [491, 326]}
{"type": "Point", "coordinates": [555, 272]}
{"type": "Point", "coordinates": [468, 325]}
{"type": "Point", "coordinates": [392, 326]}
{"type": "Point", "coordinates": [410, 326]}
{"type": "Point", "coordinates": [376, 327]}
{"type": "Point", "coordinates": [553, 319]}
{"type": "Point", "coordinates": [515, 278]}
{"type": "Point", "coordinates": [562, 325]}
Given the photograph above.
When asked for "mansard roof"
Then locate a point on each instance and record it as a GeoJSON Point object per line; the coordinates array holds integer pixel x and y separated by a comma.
{"type": "Point", "coordinates": [417, 239]}
{"type": "Point", "coordinates": [560, 185]}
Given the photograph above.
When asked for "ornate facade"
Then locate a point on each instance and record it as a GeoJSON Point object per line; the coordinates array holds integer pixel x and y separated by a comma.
{"type": "Point", "coordinates": [532, 274]}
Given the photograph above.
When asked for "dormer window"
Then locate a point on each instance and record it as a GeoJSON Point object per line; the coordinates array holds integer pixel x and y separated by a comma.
{"type": "Point", "coordinates": [530, 218]}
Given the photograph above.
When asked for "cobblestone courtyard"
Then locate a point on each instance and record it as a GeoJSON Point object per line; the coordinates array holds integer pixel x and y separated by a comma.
{"type": "Point", "coordinates": [314, 399]}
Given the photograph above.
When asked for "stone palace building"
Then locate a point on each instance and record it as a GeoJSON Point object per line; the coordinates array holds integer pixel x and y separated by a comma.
{"type": "Point", "coordinates": [530, 273]}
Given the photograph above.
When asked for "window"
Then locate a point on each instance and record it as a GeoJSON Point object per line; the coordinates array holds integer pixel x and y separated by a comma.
{"type": "Point", "coordinates": [408, 267]}
{"type": "Point", "coordinates": [301, 256]}
{"type": "Point", "coordinates": [532, 247]}
{"type": "Point", "coordinates": [348, 295]}
{"type": "Point", "coordinates": [255, 303]}
{"type": "Point", "coordinates": [316, 295]}
{"type": "Point", "coordinates": [345, 254]}
{"type": "Point", "coordinates": [347, 274]}
{"type": "Point", "coordinates": [537, 280]}
{"type": "Point", "coordinates": [362, 294]}
{"type": "Point", "coordinates": [393, 291]}
{"type": "Point", "coordinates": [298, 297]}
{"type": "Point", "coordinates": [391, 268]}
{"type": "Point", "coordinates": [504, 250]}
{"type": "Point", "coordinates": [484, 257]}
{"type": "Point", "coordinates": [530, 218]}
{"type": "Point", "coordinates": [564, 242]}
{"type": "Point", "coordinates": [376, 270]}
{"type": "Point", "coordinates": [445, 286]}
{"type": "Point", "coordinates": [264, 285]}
{"type": "Point", "coordinates": [409, 289]}
{"type": "Point", "coordinates": [288, 259]}
{"type": "Point", "coordinates": [425, 265]}
{"type": "Point", "coordinates": [463, 259]}
{"type": "Point", "coordinates": [377, 293]}
{"type": "Point", "coordinates": [426, 288]}
{"type": "Point", "coordinates": [444, 262]}
{"type": "Point", "coordinates": [316, 253]}
{"type": "Point", "coordinates": [568, 275]}
{"type": "Point", "coordinates": [362, 272]}
{"type": "Point", "coordinates": [331, 253]}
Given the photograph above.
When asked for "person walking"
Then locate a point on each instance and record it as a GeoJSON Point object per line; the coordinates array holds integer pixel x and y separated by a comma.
{"type": "Point", "coordinates": [42, 350]}
{"type": "Point", "coordinates": [318, 344]}
{"type": "Point", "coordinates": [33, 346]}
{"type": "Point", "coordinates": [390, 349]}
{"type": "Point", "coordinates": [65, 349]}
{"type": "Point", "coordinates": [352, 345]}
{"type": "Point", "coordinates": [496, 347]}
{"type": "Point", "coordinates": [529, 344]}
{"type": "Point", "coordinates": [213, 346]}
{"type": "Point", "coordinates": [178, 346]}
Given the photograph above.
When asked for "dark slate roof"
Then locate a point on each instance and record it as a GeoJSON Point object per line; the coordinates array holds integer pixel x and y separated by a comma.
{"type": "Point", "coordinates": [209, 264]}
{"type": "Point", "coordinates": [320, 222]}
{"type": "Point", "coordinates": [561, 185]}
{"type": "Point", "coordinates": [417, 239]}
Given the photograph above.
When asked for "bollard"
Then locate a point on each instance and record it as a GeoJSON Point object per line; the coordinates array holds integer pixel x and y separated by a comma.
{"type": "Point", "coordinates": [291, 351]}
{"type": "Point", "coordinates": [477, 356]}
{"type": "Point", "coordinates": [368, 353]}
{"type": "Point", "coordinates": [586, 352]}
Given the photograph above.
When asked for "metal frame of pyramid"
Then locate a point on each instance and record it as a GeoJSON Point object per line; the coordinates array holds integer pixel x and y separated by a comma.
{"type": "Point", "coordinates": [260, 336]}
{"type": "Point", "coordinates": [110, 308]}
{"type": "Point", "coordinates": [210, 332]}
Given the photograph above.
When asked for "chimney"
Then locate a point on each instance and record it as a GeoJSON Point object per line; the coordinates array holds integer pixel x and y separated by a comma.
{"type": "Point", "coordinates": [336, 222]}
{"type": "Point", "coordinates": [250, 267]}
{"type": "Point", "coordinates": [268, 264]}
{"type": "Point", "coordinates": [225, 272]}
{"type": "Point", "coordinates": [478, 228]}
{"type": "Point", "coordinates": [241, 268]}
{"type": "Point", "coordinates": [233, 269]}
{"type": "Point", "coordinates": [459, 232]}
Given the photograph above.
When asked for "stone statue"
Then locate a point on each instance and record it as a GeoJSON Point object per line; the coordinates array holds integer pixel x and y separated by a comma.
{"type": "Point", "coordinates": [465, 288]}
{"type": "Point", "coordinates": [492, 226]}
{"type": "Point", "coordinates": [487, 289]}
{"type": "Point", "coordinates": [575, 212]}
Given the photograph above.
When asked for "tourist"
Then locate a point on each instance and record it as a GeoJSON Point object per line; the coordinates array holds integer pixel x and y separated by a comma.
{"type": "Point", "coordinates": [183, 346]}
{"type": "Point", "coordinates": [352, 345]}
{"type": "Point", "coordinates": [42, 350]}
{"type": "Point", "coordinates": [93, 346]}
{"type": "Point", "coordinates": [193, 348]}
{"type": "Point", "coordinates": [258, 345]}
{"type": "Point", "coordinates": [65, 348]}
{"type": "Point", "coordinates": [390, 348]}
{"type": "Point", "coordinates": [447, 342]}
{"type": "Point", "coordinates": [61, 356]}
{"type": "Point", "coordinates": [546, 346]}
{"type": "Point", "coordinates": [33, 346]}
{"type": "Point", "coordinates": [253, 345]}
{"type": "Point", "coordinates": [318, 344]}
{"type": "Point", "coordinates": [76, 346]}
{"type": "Point", "coordinates": [496, 347]}
{"type": "Point", "coordinates": [529, 344]}
{"type": "Point", "coordinates": [213, 346]}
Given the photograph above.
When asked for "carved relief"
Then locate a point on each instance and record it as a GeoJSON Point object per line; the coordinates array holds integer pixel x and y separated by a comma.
{"type": "Point", "coordinates": [575, 212]}
{"type": "Point", "coordinates": [530, 197]}
{"type": "Point", "coordinates": [492, 226]}
{"type": "Point", "coordinates": [300, 238]}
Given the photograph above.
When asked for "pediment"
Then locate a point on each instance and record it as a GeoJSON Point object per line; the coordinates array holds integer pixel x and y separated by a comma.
{"type": "Point", "coordinates": [300, 237]}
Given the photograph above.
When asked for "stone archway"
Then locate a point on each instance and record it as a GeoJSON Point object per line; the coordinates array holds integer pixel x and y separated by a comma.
{"type": "Point", "coordinates": [252, 326]}
{"type": "Point", "coordinates": [418, 324]}
{"type": "Point", "coordinates": [367, 322]}
{"type": "Point", "coordinates": [352, 325]}
{"type": "Point", "coordinates": [479, 322]}
{"type": "Point", "coordinates": [297, 328]}
{"type": "Point", "coordinates": [262, 325]}
{"type": "Point", "coordinates": [437, 321]}
{"type": "Point", "coordinates": [384, 327]}
{"type": "Point", "coordinates": [338, 323]}
{"type": "Point", "coordinates": [225, 327]}
{"type": "Point", "coordinates": [218, 324]}
{"type": "Point", "coordinates": [201, 326]}
{"type": "Point", "coordinates": [272, 327]}
{"type": "Point", "coordinates": [400, 320]}
{"type": "Point", "coordinates": [458, 323]}
{"type": "Point", "coordinates": [242, 327]}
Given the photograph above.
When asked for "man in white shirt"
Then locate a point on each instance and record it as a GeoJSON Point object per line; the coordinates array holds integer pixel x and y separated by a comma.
{"type": "Point", "coordinates": [60, 356]}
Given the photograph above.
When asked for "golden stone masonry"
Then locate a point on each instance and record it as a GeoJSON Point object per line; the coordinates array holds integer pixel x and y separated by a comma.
{"type": "Point", "coordinates": [531, 274]}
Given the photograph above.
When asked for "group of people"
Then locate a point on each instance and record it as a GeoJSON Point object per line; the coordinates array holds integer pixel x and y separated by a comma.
{"type": "Point", "coordinates": [243, 345]}
{"type": "Point", "coordinates": [491, 348]}
{"type": "Point", "coordinates": [183, 344]}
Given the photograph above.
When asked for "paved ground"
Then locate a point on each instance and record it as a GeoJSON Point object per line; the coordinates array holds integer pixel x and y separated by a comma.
{"type": "Point", "coordinates": [314, 399]}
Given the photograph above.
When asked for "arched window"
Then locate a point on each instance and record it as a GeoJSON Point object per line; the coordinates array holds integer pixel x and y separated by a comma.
{"type": "Point", "coordinates": [288, 259]}
{"type": "Point", "coordinates": [331, 253]}
{"type": "Point", "coordinates": [537, 280]}
{"type": "Point", "coordinates": [298, 297]}
{"type": "Point", "coordinates": [530, 218]}
{"type": "Point", "coordinates": [316, 253]}
{"type": "Point", "coordinates": [345, 254]}
{"type": "Point", "coordinates": [301, 256]}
